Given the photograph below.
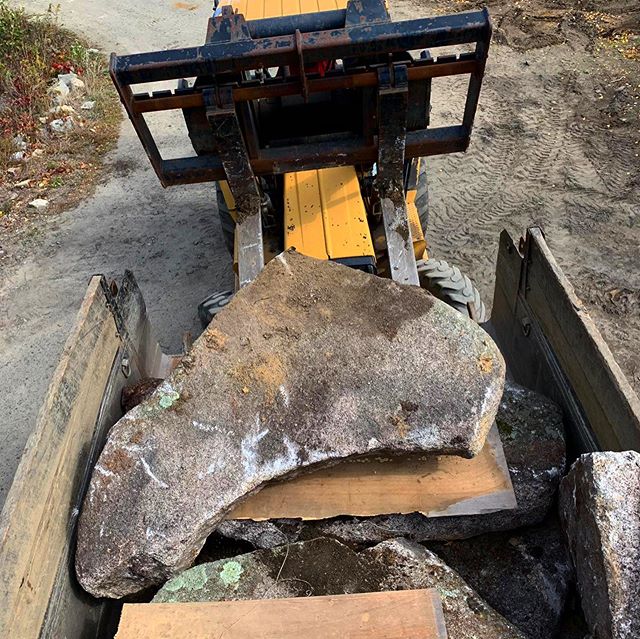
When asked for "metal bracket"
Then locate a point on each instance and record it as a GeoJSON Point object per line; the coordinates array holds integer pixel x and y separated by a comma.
{"type": "Point", "coordinates": [227, 27]}
{"type": "Point", "coordinates": [393, 94]}
{"type": "Point", "coordinates": [366, 11]}
{"type": "Point", "coordinates": [302, 73]}
{"type": "Point", "coordinates": [230, 146]}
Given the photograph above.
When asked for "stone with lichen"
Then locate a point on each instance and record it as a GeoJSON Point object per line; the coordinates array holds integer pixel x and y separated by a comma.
{"type": "Point", "coordinates": [312, 363]}
{"type": "Point", "coordinates": [326, 567]}
{"type": "Point", "coordinates": [600, 509]}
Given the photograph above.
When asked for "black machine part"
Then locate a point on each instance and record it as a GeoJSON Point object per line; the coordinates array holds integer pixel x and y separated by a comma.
{"type": "Point", "coordinates": [371, 79]}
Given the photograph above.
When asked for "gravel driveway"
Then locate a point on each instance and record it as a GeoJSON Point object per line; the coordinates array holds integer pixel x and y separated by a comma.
{"type": "Point", "coordinates": [546, 149]}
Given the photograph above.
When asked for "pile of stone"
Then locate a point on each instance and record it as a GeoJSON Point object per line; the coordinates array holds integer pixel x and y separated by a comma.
{"type": "Point", "coordinates": [63, 118]}
{"type": "Point", "coordinates": [315, 363]}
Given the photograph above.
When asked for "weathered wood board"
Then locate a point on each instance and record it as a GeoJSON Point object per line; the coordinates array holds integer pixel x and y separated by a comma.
{"type": "Point", "coordinates": [37, 519]}
{"type": "Point", "coordinates": [435, 486]}
{"type": "Point", "coordinates": [405, 614]}
{"type": "Point", "coordinates": [553, 346]}
{"type": "Point", "coordinates": [110, 345]}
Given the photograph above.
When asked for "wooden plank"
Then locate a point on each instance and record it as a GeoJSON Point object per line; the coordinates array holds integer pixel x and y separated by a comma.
{"type": "Point", "coordinates": [530, 359]}
{"type": "Point", "coordinates": [38, 518]}
{"type": "Point", "coordinates": [435, 486]}
{"type": "Point", "coordinates": [72, 613]}
{"type": "Point", "coordinates": [610, 404]}
{"type": "Point", "coordinates": [406, 614]}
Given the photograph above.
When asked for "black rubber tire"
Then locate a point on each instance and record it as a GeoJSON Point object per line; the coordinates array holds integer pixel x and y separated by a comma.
{"type": "Point", "coordinates": [212, 305]}
{"type": "Point", "coordinates": [227, 223]}
{"type": "Point", "coordinates": [449, 284]}
{"type": "Point", "coordinates": [422, 195]}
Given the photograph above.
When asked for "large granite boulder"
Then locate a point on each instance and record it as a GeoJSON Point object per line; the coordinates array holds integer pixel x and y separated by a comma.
{"type": "Point", "coordinates": [600, 509]}
{"type": "Point", "coordinates": [525, 575]}
{"type": "Point", "coordinates": [532, 435]}
{"type": "Point", "coordinates": [312, 363]}
{"type": "Point", "coordinates": [326, 567]}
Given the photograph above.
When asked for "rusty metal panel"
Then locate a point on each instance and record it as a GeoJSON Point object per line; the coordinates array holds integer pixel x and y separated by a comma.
{"type": "Point", "coordinates": [553, 346]}
{"type": "Point", "coordinates": [237, 48]}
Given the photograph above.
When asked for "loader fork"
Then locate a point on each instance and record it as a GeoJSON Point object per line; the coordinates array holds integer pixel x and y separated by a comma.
{"type": "Point", "coordinates": [348, 93]}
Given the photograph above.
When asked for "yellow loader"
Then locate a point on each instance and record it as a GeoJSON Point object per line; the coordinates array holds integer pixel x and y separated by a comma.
{"type": "Point", "coordinates": [313, 118]}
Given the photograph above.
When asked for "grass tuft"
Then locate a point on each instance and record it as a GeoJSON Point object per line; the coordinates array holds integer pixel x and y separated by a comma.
{"type": "Point", "coordinates": [63, 168]}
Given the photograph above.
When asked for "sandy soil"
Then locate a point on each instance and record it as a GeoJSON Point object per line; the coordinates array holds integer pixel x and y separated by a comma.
{"type": "Point", "coordinates": [556, 143]}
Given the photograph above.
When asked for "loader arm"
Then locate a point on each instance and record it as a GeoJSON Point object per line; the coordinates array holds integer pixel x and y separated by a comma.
{"type": "Point", "coordinates": [334, 101]}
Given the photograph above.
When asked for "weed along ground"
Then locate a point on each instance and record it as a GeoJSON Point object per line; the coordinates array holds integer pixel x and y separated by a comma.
{"type": "Point", "coordinates": [58, 117]}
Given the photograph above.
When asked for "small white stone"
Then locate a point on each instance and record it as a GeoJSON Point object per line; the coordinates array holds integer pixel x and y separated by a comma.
{"type": "Point", "coordinates": [65, 78]}
{"type": "Point", "coordinates": [60, 92]}
{"type": "Point", "coordinates": [61, 125]}
{"type": "Point", "coordinates": [62, 109]}
{"type": "Point", "coordinates": [39, 204]}
{"type": "Point", "coordinates": [18, 156]}
{"type": "Point", "coordinates": [19, 143]}
{"type": "Point", "coordinates": [22, 184]}
{"type": "Point", "coordinates": [88, 105]}
{"type": "Point", "coordinates": [72, 81]}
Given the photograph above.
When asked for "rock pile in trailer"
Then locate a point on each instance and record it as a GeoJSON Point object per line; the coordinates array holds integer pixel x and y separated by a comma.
{"type": "Point", "coordinates": [314, 364]}
{"type": "Point", "coordinates": [532, 434]}
{"type": "Point", "coordinates": [325, 566]}
{"type": "Point", "coordinates": [311, 364]}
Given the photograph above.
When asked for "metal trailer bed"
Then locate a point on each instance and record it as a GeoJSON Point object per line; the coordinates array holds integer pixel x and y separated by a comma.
{"type": "Point", "coordinates": [548, 340]}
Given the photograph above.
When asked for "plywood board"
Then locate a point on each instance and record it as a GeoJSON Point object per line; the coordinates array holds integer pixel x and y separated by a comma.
{"type": "Point", "coordinates": [408, 614]}
{"type": "Point", "coordinates": [38, 517]}
{"type": "Point", "coordinates": [433, 485]}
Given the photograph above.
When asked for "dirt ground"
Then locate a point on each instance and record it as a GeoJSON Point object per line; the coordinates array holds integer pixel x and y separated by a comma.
{"type": "Point", "coordinates": [556, 143]}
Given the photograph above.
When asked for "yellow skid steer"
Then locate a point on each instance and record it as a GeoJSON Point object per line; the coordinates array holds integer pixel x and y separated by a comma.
{"type": "Point", "coordinates": [313, 118]}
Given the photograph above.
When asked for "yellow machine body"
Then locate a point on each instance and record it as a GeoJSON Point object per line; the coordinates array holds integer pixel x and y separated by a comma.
{"type": "Point", "coordinates": [260, 9]}
{"type": "Point", "coordinates": [325, 216]}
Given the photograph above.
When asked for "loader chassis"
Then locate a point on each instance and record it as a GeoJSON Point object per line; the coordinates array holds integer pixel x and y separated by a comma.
{"type": "Point", "coordinates": [313, 114]}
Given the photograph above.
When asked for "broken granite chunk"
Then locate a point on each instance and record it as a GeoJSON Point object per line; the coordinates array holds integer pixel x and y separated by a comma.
{"type": "Point", "coordinates": [600, 510]}
{"type": "Point", "coordinates": [467, 615]}
{"type": "Point", "coordinates": [326, 567]}
{"type": "Point", "coordinates": [312, 363]}
{"type": "Point", "coordinates": [526, 576]}
{"type": "Point", "coordinates": [313, 568]}
{"type": "Point", "coordinates": [532, 435]}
